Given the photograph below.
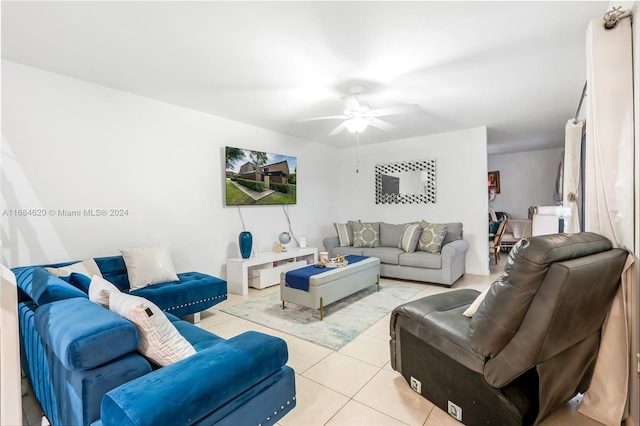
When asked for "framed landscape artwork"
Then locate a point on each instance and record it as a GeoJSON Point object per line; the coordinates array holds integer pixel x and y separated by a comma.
{"type": "Point", "coordinates": [259, 178]}
{"type": "Point", "coordinates": [494, 181]}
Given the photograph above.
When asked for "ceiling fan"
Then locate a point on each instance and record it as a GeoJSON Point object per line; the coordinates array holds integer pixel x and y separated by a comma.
{"type": "Point", "coordinates": [358, 115]}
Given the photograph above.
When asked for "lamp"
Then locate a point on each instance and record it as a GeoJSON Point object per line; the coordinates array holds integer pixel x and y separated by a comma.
{"type": "Point", "coordinates": [356, 124]}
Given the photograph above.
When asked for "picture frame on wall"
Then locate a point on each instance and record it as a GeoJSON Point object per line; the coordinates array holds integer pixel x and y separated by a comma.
{"type": "Point", "coordinates": [494, 181]}
{"type": "Point", "coordinates": [259, 178]}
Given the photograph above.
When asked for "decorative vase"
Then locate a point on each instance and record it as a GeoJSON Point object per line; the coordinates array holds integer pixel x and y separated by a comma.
{"type": "Point", "coordinates": [245, 240]}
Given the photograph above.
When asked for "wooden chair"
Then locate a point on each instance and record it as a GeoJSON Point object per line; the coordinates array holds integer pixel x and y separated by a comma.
{"type": "Point", "coordinates": [494, 245]}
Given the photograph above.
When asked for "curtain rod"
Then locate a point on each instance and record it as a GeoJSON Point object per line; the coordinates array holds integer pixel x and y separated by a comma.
{"type": "Point", "coordinates": [584, 93]}
{"type": "Point", "coordinates": [611, 19]}
{"type": "Point", "coordinates": [614, 15]}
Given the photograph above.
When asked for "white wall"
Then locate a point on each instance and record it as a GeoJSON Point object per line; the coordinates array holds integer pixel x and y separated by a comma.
{"type": "Point", "coordinates": [461, 186]}
{"type": "Point", "coordinates": [526, 179]}
{"type": "Point", "coordinates": [68, 144]}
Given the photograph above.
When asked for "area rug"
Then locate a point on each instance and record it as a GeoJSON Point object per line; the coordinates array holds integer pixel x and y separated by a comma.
{"type": "Point", "coordinates": [343, 320]}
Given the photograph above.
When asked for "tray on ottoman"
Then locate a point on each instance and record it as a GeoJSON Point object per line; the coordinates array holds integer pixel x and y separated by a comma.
{"type": "Point", "coordinates": [332, 284]}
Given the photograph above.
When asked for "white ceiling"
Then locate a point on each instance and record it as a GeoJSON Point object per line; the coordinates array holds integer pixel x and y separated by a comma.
{"type": "Point", "coordinates": [516, 67]}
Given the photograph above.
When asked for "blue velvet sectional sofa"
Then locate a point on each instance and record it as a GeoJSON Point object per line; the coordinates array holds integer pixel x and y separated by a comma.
{"type": "Point", "coordinates": [83, 365]}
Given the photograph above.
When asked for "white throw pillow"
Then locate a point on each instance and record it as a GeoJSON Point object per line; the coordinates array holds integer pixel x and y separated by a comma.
{"type": "Point", "coordinates": [149, 265]}
{"type": "Point", "coordinates": [471, 310]}
{"type": "Point", "coordinates": [160, 341]}
{"type": "Point", "coordinates": [87, 267]}
{"type": "Point", "coordinates": [99, 291]}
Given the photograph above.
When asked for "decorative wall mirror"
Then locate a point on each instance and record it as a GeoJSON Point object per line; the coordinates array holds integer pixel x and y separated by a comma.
{"type": "Point", "coordinates": [408, 182]}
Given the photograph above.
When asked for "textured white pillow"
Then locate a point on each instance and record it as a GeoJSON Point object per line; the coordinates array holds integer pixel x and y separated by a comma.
{"type": "Point", "coordinates": [99, 291]}
{"type": "Point", "coordinates": [87, 267]}
{"type": "Point", "coordinates": [471, 310]}
{"type": "Point", "coordinates": [149, 265]}
{"type": "Point", "coordinates": [160, 341]}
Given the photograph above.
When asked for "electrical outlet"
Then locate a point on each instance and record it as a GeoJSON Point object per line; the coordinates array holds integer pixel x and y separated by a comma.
{"type": "Point", "coordinates": [454, 411]}
{"type": "Point", "coordinates": [416, 385]}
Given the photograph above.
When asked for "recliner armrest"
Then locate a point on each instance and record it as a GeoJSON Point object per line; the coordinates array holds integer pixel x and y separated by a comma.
{"type": "Point", "coordinates": [188, 390]}
{"type": "Point", "coordinates": [425, 306]}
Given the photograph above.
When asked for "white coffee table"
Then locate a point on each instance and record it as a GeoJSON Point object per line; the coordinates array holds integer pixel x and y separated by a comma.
{"type": "Point", "coordinates": [333, 284]}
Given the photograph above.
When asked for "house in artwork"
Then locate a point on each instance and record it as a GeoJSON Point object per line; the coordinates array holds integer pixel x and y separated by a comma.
{"type": "Point", "coordinates": [276, 172]}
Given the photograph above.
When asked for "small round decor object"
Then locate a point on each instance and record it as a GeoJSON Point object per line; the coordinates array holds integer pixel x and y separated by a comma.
{"type": "Point", "coordinates": [284, 237]}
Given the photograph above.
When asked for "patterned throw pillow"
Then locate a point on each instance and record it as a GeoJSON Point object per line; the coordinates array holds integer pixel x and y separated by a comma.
{"type": "Point", "coordinates": [410, 236]}
{"type": "Point", "coordinates": [345, 232]}
{"type": "Point", "coordinates": [366, 234]}
{"type": "Point", "coordinates": [432, 237]}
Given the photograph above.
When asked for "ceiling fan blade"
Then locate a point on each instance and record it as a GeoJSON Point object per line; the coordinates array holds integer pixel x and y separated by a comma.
{"type": "Point", "coordinates": [400, 109]}
{"type": "Point", "coordinates": [338, 129]}
{"type": "Point", "coordinates": [382, 125]}
{"type": "Point", "coordinates": [328, 117]}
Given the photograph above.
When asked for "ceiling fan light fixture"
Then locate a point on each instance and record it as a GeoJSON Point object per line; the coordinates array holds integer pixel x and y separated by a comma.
{"type": "Point", "coordinates": [356, 124]}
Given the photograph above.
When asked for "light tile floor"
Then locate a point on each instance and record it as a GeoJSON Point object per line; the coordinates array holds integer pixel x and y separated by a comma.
{"type": "Point", "coordinates": [354, 385]}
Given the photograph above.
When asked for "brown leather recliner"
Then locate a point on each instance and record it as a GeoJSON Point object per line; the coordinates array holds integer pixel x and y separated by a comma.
{"type": "Point", "coordinates": [533, 342]}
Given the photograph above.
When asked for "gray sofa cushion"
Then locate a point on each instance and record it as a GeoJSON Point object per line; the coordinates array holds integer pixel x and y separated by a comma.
{"type": "Point", "coordinates": [421, 259]}
{"type": "Point", "coordinates": [390, 234]}
{"type": "Point", "coordinates": [343, 251]}
{"type": "Point", "coordinates": [388, 255]}
{"type": "Point", "coordinates": [454, 232]}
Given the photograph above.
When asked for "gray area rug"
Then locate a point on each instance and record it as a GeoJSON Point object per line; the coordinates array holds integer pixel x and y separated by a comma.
{"type": "Point", "coordinates": [343, 320]}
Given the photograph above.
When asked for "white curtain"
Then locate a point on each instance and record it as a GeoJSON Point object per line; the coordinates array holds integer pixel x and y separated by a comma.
{"type": "Point", "coordinates": [571, 175]}
{"type": "Point", "coordinates": [609, 210]}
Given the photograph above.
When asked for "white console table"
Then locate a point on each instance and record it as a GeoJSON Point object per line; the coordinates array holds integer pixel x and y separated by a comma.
{"type": "Point", "coordinates": [264, 269]}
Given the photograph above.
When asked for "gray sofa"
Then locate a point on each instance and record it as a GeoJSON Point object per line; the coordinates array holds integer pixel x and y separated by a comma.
{"type": "Point", "coordinates": [442, 268]}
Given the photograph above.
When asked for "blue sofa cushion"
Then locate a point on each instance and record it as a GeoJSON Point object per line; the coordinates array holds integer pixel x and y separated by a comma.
{"type": "Point", "coordinates": [210, 378]}
{"type": "Point", "coordinates": [79, 281]}
{"type": "Point", "coordinates": [201, 290]}
{"type": "Point", "coordinates": [114, 270]}
{"type": "Point", "coordinates": [199, 338]}
{"type": "Point", "coordinates": [84, 335]}
{"type": "Point", "coordinates": [46, 288]}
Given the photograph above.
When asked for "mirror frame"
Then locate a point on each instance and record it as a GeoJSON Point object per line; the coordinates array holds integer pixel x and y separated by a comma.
{"type": "Point", "coordinates": [428, 166]}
